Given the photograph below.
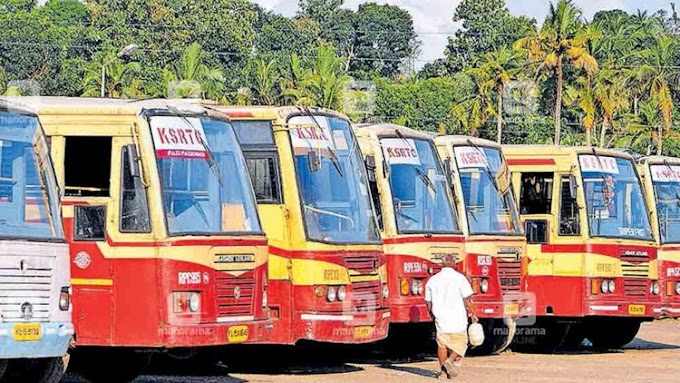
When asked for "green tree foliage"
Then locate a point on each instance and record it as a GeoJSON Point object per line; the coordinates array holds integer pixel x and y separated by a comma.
{"type": "Point", "coordinates": [487, 25]}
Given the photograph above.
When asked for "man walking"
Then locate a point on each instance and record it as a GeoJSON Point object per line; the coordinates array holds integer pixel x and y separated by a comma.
{"type": "Point", "coordinates": [448, 295]}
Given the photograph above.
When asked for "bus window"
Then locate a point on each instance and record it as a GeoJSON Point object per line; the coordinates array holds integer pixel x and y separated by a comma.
{"type": "Point", "coordinates": [569, 218]}
{"type": "Point", "coordinates": [87, 181]}
{"type": "Point", "coordinates": [371, 170]}
{"type": "Point", "coordinates": [134, 211]}
{"type": "Point", "coordinates": [264, 174]}
{"type": "Point", "coordinates": [536, 193]}
{"type": "Point", "coordinates": [90, 223]}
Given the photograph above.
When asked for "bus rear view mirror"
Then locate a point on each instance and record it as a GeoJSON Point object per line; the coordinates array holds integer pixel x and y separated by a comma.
{"type": "Point", "coordinates": [572, 186]}
{"type": "Point", "coordinates": [314, 161]}
{"type": "Point", "coordinates": [133, 160]}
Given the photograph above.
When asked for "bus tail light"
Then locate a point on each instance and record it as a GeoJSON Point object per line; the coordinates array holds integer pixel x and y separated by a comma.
{"type": "Point", "coordinates": [186, 302]}
{"type": "Point", "coordinates": [64, 299]}
{"type": "Point", "coordinates": [385, 291]}
{"type": "Point", "coordinates": [404, 286]}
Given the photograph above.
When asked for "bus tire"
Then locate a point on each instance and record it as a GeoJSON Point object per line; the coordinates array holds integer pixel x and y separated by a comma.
{"type": "Point", "coordinates": [113, 366]}
{"type": "Point", "coordinates": [546, 336]}
{"type": "Point", "coordinates": [43, 370]}
{"type": "Point", "coordinates": [498, 334]}
{"type": "Point", "coordinates": [613, 333]}
{"type": "Point", "coordinates": [3, 367]}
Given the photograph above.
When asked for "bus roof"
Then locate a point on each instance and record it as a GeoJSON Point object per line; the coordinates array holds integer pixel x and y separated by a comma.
{"type": "Point", "coordinates": [280, 113]}
{"type": "Point", "coordinates": [559, 150]}
{"type": "Point", "coordinates": [7, 105]}
{"type": "Point", "coordinates": [389, 130]}
{"type": "Point", "coordinates": [659, 160]}
{"type": "Point", "coordinates": [459, 140]}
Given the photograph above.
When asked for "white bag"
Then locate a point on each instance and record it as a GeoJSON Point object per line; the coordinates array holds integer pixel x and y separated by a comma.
{"type": "Point", "coordinates": [476, 334]}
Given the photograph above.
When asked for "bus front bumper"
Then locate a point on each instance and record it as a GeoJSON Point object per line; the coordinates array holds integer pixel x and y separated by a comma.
{"type": "Point", "coordinates": [20, 340]}
{"type": "Point", "coordinates": [410, 313]}
{"type": "Point", "coordinates": [344, 328]}
{"type": "Point", "coordinates": [225, 332]}
{"type": "Point", "coordinates": [627, 308]}
{"type": "Point", "coordinates": [672, 309]}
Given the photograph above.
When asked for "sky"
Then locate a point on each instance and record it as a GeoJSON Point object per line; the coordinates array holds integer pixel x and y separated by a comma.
{"type": "Point", "coordinates": [432, 18]}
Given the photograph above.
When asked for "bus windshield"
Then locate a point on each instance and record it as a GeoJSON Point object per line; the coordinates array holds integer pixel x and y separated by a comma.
{"type": "Point", "coordinates": [421, 195]}
{"type": "Point", "coordinates": [666, 180]}
{"type": "Point", "coordinates": [487, 194]}
{"type": "Point", "coordinates": [206, 189]}
{"type": "Point", "coordinates": [332, 181]}
{"type": "Point", "coordinates": [614, 199]}
{"type": "Point", "coordinates": [29, 203]}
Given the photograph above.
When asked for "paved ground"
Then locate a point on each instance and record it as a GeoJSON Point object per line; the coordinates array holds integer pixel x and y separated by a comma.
{"type": "Point", "coordinates": [652, 357]}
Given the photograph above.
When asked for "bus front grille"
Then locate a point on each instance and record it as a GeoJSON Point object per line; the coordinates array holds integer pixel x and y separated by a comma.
{"type": "Point", "coordinates": [25, 288]}
{"type": "Point", "coordinates": [366, 295]}
{"type": "Point", "coordinates": [510, 273]}
{"type": "Point", "coordinates": [635, 287]}
{"type": "Point", "coordinates": [235, 294]}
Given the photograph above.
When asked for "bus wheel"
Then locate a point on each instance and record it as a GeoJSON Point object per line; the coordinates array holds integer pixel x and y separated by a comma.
{"type": "Point", "coordinates": [3, 367]}
{"type": "Point", "coordinates": [43, 370]}
{"type": "Point", "coordinates": [408, 339]}
{"type": "Point", "coordinates": [546, 336]}
{"type": "Point", "coordinates": [498, 334]}
{"type": "Point", "coordinates": [112, 366]}
{"type": "Point", "coordinates": [576, 334]}
{"type": "Point", "coordinates": [613, 333]}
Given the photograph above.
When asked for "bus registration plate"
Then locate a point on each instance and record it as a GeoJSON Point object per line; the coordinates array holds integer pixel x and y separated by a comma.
{"type": "Point", "coordinates": [363, 332]}
{"type": "Point", "coordinates": [511, 309]}
{"type": "Point", "coordinates": [636, 310]}
{"type": "Point", "coordinates": [238, 334]}
{"type": "Point", "coordinates": [26, 332]}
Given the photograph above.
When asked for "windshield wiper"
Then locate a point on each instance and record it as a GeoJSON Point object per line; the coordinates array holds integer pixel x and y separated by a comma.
{"type": "Point", "coordinates": [210, 159]}
{"type": "Point", "coordinates": [334, 155]}
{"type": "Point", "coordinates": [420, 172]}
{"type": "Point", "coordinates": [487, 167]}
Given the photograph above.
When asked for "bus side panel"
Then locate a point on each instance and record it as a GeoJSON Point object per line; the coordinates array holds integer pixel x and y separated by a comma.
{"type": "Point", "coordinates": [136, 314]}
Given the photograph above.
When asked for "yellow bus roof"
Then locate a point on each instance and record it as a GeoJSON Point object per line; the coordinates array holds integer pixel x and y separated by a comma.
{"type": "Point", "coordinates": [274, 113]}
{"type": "Point", "coordinates": [389, 130]}
{"type": "Point", "coordinates": [558, 150]}
{"type": "Point", "coordinates": [106, 106]}
{"type": "Point", "coordinates": [11, 106]}
{"type": "Point", "coordinates": [659, 160]}
{"type": "Point", "coordinates": [458, 140]}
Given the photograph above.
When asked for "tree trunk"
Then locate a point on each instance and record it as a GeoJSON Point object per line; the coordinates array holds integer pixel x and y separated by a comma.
{"type": "Point", "coordinates": [558, 102]}
{"type": "Point", "coordinates": [636, 106]}
{"type": "Point", "coordinates": [659, 146]}
{"type": "Point", "coordinates": [589, 135]}
{"type": "Point", "coordinates": [603, 132]}
{"type": "Point", "coordinates": [499, 114]}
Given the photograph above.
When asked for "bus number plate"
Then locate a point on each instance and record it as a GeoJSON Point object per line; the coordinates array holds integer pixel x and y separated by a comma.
{"type": "Point", "coordinates": [363, 332]}
{"type": "Point", "coordinates": [636, 310]}
{"type": "Point", "coordinates": [238, 334]}
{"type": "Point", "coordinates": [511, 309]}
{"type": "Point", "coordinates": [27, 332]}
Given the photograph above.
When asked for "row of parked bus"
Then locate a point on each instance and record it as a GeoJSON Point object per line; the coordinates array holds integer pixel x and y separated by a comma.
{"type": "Point", "coordinates": [194, 226]}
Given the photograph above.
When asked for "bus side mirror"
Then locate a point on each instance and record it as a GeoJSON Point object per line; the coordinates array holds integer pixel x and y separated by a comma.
{"type": "Point", "coordinates": [572, 186]}
{"type": "Point", "coordinates": [133, 160]}
{"type": "Point", "coordinates": [314, 161]}
{"type": "Point", "coordinates": [370, 168]}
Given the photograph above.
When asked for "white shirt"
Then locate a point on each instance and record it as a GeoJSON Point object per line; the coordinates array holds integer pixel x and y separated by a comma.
{"type": "Point", "coordinates": [447, 291]}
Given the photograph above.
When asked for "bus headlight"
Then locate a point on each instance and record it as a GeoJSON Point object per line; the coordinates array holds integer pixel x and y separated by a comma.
{"type": "Point", "coordinates": [654, 288]}
{"type": "Point", "coordinates": [265, 300]}
{"type": "Point", "coordinates": [416, 287]}
{"type": "Point", "coordinates": [331, 294]}
{"type": "Point", "coordinates": [677, 288]}
{"type": "Point", "coordinates": [604, 287]}
{"type": "Point", "coordinates": [612, 286]}
{"type": "Point", "coordinates": [385, 291]}
{"type": "Point", "coordinates": [194, 302]}
{"type": "Point", "coordinates": [484, 286]}
{"type": "Point", "coordinates": [64, 299]}
{"type": "Point", "coordinates": [342, 293]}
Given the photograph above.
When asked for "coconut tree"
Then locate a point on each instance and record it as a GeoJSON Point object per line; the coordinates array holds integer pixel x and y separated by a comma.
{"type": "Point", "coordinates": [493, 72]}
{"type": "Point", "coordinates": [192, 75]}
{"type": "Point", "coordinates": [662, 78]}
{"type": "Point", "coordinates": [266, 78]}
{"type": "Point", "coordinates": [473, 113]}
{"type": "Point", "coordinates": [121, 79]}
{"type": "Point", "coordinates": [562, 40]}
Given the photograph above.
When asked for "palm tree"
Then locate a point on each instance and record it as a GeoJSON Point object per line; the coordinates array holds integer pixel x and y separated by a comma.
{"type": "Point", "coordinates": [494, 71]}
{"type": "Point", "coordinates": [473, 112]}
{"type": "Point", "coordinates": [266, 77]}
{"type": "Point", "coordinates": [562, 37]}
{"type": "Point", "coordinates": [319, 81]}
{"type": "Point", "coordinates": [662, 78]}
{"type": "Point", "coordinates": [121, 79]}
{"type": "Point", "coordinates": [584, 95]}
{"type": "Point", "coordinates": [191, 75]}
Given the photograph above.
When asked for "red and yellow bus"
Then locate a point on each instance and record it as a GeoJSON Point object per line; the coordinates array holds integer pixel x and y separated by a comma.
{"type": "Point", "coordinates": [417, 221]}
{"type": "Point", "coordinates": [592, 254]}
{"type": "Point", "coordinates": [661, 179]}
{"type": "Point", "coordinates": [494, 240]}
{"type": "Point", "coordinates": [167, 251]}
{"type": "Point", "coordinates": [326, 263]}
